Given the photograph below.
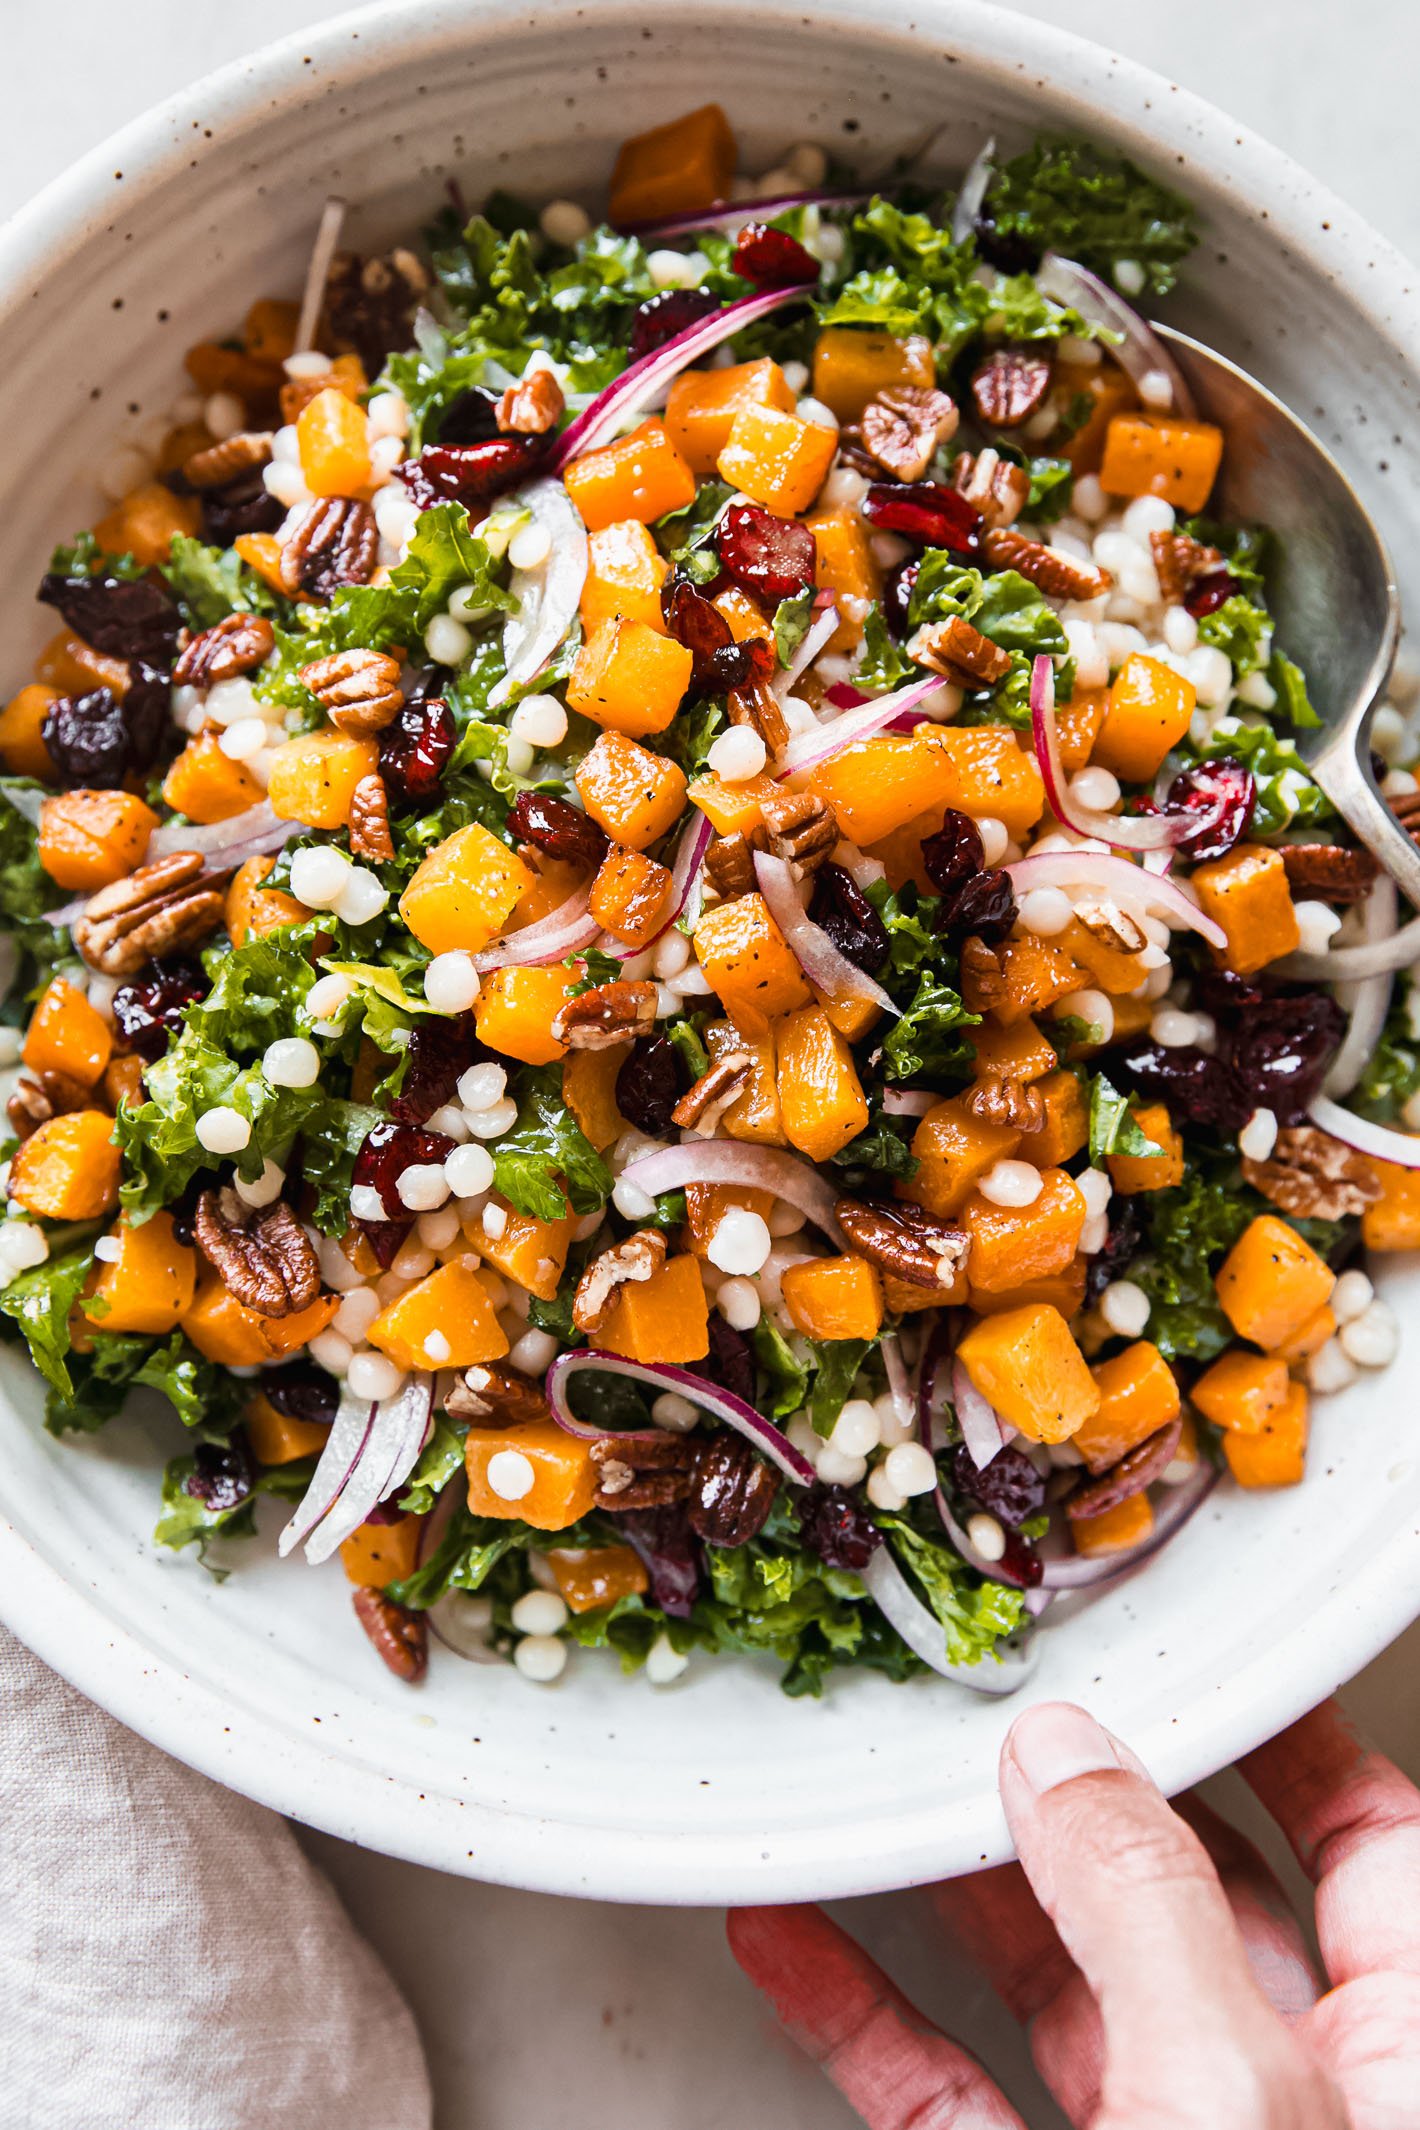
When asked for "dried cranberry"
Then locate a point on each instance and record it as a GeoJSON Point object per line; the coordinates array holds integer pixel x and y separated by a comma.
{"type": "Point", "coordinates": [954, 854]}
{"type": "Point", "coordinates": [1280, 1051]}
{"type": "Point", "coordinates": [840, 908]}
{"type": "Point", "coordinates": [123, 618]}
{"type": "Point", "coordinates": [222, 1474]}
{"type": "Point", "coordinates": [415, 749]}
{"type": "Point", "coordinates": [1195, 1088]}
{"type": "Point", "coordinates": [470, 418]}
{"type": "Point", "coordinates": [1120, 1246]}
{"type": "Point", "coordinates": [1206, 594]}
{"type": "Point", "coordinates": [557, 829]}
{"type": "Point", "coordinates": [1009, 1488]}
{"type": "Point", "coordinates": [472, 473]}
{"type": "Point", "coordinates": [771, 258]}
{"type": "Point", "coordinates": [383, 1158]}
{"type": "Point", "coordinates": [671, 1553]}
{"type": "Point", "coordinates": [151, 1006]}
{"type": "Point", "coordinates": [666, 317]}
{"type": "Point", "coordinates": [926, 512]}
{"type": "Point", "coordinates": [1224, 994]}
{"type": "Point", "coordinates": [897, 597]}
{"type": "Point", "coordinates": [730, 1362]}
{"type": "Point", "coordinates": [439, 1050]}
{"type": "Point", "coordinates": [837, 1528]}
{"type": "Point", "coordinates": [1222, 793]}
{"type": "Point", "coordinates": [721, 664]}
{"type": "Point", "coordinates": [984, 904]}
{"type": "Point", "coordinates": [770, 558]}
{"type": "Point", "coordinates": [649, 1084]}
{"type": "Point", "coordinates": [1009, 253]}
{"type": "Point", "coordinates": [302, 1392]}
{"type": "Point", "coordinates": [86, 738]}
{"type": "Point", "coordinates": [245, 505]}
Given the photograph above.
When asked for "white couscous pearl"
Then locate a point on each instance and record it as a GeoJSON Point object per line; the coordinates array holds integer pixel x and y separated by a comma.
{"type": "Point", "coordinates": [540, 720]}
{"type": "Point", "coordinates": [539, 1612]}
{"type": "Point", "coordinates": [1012, 1183]}
{"type": "Point", "coordinates": [674, 1413]}
{"type": "Point", "coordinates": [837, 1469]}
{"type": "Point", "coordinates": [366, 1203]}
{"type": "Point", "coordinates": [491, 1123]}
{"type": "Point", "coordinates": [1045, 911]}
{"type": "Point", "coordinates": [741, 1242]}
{"type": "Point", "coordinates": [224, 415]}
{"type": "Point", "coordinates": [1316, 922]}
{"type": "Point", "coordinates": [631, 1201]}
{"type": "Point", "coordinates": [362, 898]}
{"type": "Point", "coordinates": [1092, 1006]}
{"type": "Point", "coordinates": [22, 1247]}
{"type": "Point", "coordinates": [482, 1086]}
{"type": "Point", "coordinates": [1146, 515]}
{"type": "Point", "coordinates": [265, 1190]}
{"type": "Point", "coordinates": [1125, 1308]}
{"type": "Point", "coordinates": [986, 1536]}
{"type": "Point", "coordinates": [451, 982]}
{"type": "Point", "coordinates": [739, 1304]}
{"type": "Point", "coordinates": [1372, 1340]}
{"type": "Point", "coordinates": [1097, 789]}
{"type": "Point", "coordinates": [1096, 1189]}
{"type": "Point", "coordinates": [664, 1662]}
{"type": "Point", "coordinates": [855, 1431]}
{"type": "Point", "coordinates": [286, 482]}
{"type": "Point", "coordinates": [670, 269]}
{"type": "Point", "coordinates": [423, 1186]}
{"type": "Point", "coordinates": [994, 839]}
{"type": "Point", "coordinates": [808, 163]}
{"type": "Point", "coordinates": [911, 1468]}
{"type": "Point", "coordinates": [246, 738]}
{"type": "Point", "coordinates": [1352, 1296]}
{"type": "Point", "coordinates": [412, 1260]}
{"type": "Point", "coordinates": [291, 1061]}
{"type": "Point", "coordinates": [469, 1170]}
{"type": "Point", "coordinates": [564, 222]}
{"type": "Point", "coordinates": [222, 1130]}
{"type": "Point", "coordinates": [1173, 1028]}
{"type": "Point", "coordinates": [1088, 651]}
{"type": "Point", "coordinates": [510, 1474]}
{"type": "Point", "coordinates": [540, 1657]}
{"type": "Point", "coordinates": [330, 1350]}
{"type": "Point", "coordinates": [357, 1312]}
{"type": "Point", "coordinates": [318, 876]}
{"type": "Point", "coordinates": [670, 955]}
{"type": "Point", "coordinates": [374, 1375]}
{"type": "Point", "coordinates": [530, 545]}
{"type": "Point", "coordinates": [1331, 1368]}
{"type": "Point", "coordinates": [1180, 631]}
{"type": "Point", "coordinates": [1258, 1137]}
{"type": "Point", "coordinates": [1094, 1234]}
{"type": "Point", "coordinates": [881, 1491]}
{"type": "Point", "coordinates": [814, 411]}
{"type": "Point", "coordinates": [447, 641]}
{"type": "Point", "coordinates": [895, 1423]}
{"type": "Point", "coordinates": [534, 1353]}
{"type": "Point", "coordinates": [1088, 500]}
{"type": "Point", "coordinates": [737, 755]}
{"type": "Point", "coordinates": [1211, 673]}
{"type": "Point", "coordinates": [388, 415]}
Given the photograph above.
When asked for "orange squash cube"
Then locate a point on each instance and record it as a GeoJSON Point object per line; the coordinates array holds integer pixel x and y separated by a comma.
{"type": "Point", "coordinates": [991, 775]}
{"type": "Point", "coordinates": [444, 1321]}
{"type": "Point", "coordinates": [225, 1331]}
{"type": "Point", "coordinates": [875, 786]}
{"type": "Point", "coordinates": [149, 1286]}
{"type": "Point", "coordinates": [629, 679]}
{"type": "Point", "coordinates": [702, 405]}
{"type": "Point", "coordinates": [777, 459]}
{"type": "Point", "coordinates": [1116, 1530]}
{"type": "Point", "coordinates": [844, 565]}
{"type": "Point", "coordinates": [313, 776]}
{"type": "Point", "coordinates": [1105, 390]}
{"type": "Point", "coordinates": [640, 476]}
{"type": "Point", "coordinates": [853, 365]}
{"type": "Point", "coordinates": [532, 1253]}
{"type": "Point", "coordinates": [1392, 1221]}
{"type": "Point", "coordinates": [252, 908]}
{"type": "Point", "coordinates": [1271, 1281]}
{"type": "Point", "coordinates": [1246, 892]}
{"type": "Point", "coordinates": [903, 1297]}
{"type": "Point", "coordinates": [88, 839]}
{"type": "Point", "coordinates": [821, 1098]}
{"type": "Point", "coordinates": [66, 1034]}
{"type": "Point", "coordinates": [514, 1010]}
{"type": "Point", "coordinates": [1077, 726]}
{"type": "Point", "coordinates": [674, 169]}
{"type": "Point", "coordinates": [276, 1438]}
{"type": "Point", "coordinates": [332, 438]}
{"type": "Point", "coordinates": [1148, 710]}
{"type": "Point", "coordinates": [564, 1479]}
{"type": "Point", "coordinates": [1308, 1338]}
{"type": "Point", "coordinates": [747, 963]}
{"type": "Point", "coordinates": [22, 748]}
{"type": "Point", "coordinates": [1138, 1396]}
{"type": "Point", "coordinates": [1275, 1454]}
{"type": "Point", "coordinates": [630, 896]}
{"type": "Point", "coordinates": [346, 374]}
{"type": "Point", "coordinates": [1130, 1173]}
{"type": "Point", "coordinates": [1037, 972]}
{"type": "Point", "coordinates": [589, 1090]}
{"type": "Point", "coordinates": [377, 1554]}
{"type": "Point", "coordinates": [1241, 1390]}
{"type": "Point", "coordinates": [72, 667]}
{"type": "Point", "coordinates": [1114, 970]}
{"type": "Point", "coordinates": [1014, 1243]}
{"type": "Point", "coordinates": [1066, 1125]}
{"type": "Point", "coordinates": [68, 1168]}
{"type": "Point", "coordinates": [754, 1116]}
{"type": "Point", "coordinates": [1020, 1052]}
{"type": "Point", "coordinates": [1026, 1364]}
{"type": "Point", "coordinates": [589, 1578]}
{"type": "Point", "coordinates": [1160, 455]}
{"type": "Point", "coordinates": [207, 785]}
{"type": "Point", "coordinates": [835, 1298]}
{"type": "Point", "coordinates": [261, 553]}
{"type": "Point", "coordinates": [706, 1205]}
{"type": "Point", "coordinates": [664, 1318]}
{"type": "Point", "coordinates": [954, 1150]}
{"type": "Point", "coordinates": [464, 892]}
{"type": "Point", "coordinates": [146, 523]}
{"type": "Point", "coordinates": [625, 572]}
{"type": "Point", "coordinates": [1064, 1291]}
{"type": "Point", "coordinates": [636, 796]}
{"type": "Point", "coordinates": [732, 809]}
{"type": "Point", "coordinates": [553, 882]}
{"type": "Point", "coordinates": [269, 329]}
{"type": "Point", "coordinates": [746, 620]}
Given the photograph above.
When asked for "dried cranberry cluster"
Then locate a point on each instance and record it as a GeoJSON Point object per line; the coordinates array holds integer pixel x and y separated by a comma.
{"type": "Point", "coordinates": [100, 738]}
{"type": "Point", "coordinates": [975, 898]}
{"type": "Point", "coordinates": [385, 1155]}
{"type": "Point", "coordinates": [151, 1007]}
{"type": "Point", "coordinates": [1273, 1050]}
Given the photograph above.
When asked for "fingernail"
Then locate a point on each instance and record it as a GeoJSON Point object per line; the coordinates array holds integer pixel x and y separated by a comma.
{"type": "Point", "coordinates": [1056, 1742]}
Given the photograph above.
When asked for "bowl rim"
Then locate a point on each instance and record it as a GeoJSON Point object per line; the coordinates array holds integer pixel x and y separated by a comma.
{"type": "Point", "coordinates": [63, 1619]}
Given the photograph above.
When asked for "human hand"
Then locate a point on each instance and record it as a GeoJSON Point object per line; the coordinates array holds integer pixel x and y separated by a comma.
{"type": "Point", "coordinates": [1151, 1953]}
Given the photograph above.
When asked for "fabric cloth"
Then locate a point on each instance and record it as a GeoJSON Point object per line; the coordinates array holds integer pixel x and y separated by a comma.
{"type": "Point", "coordinates": [169, 1959]}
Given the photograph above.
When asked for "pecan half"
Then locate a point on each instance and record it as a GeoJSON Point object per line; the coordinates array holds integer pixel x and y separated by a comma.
{"type": "Point", "coordinates": [1012, 1102]}
{"type": "Point", "coordinates": [358, 690]}
{"type": "Point", "coordinates": [216, 464]}
{"type": "Point", "coordinates": [905, 1240]}
{"type": "Point", "coordinates": [1011, 385]}
{"type": "Point", "coordinates": [329, 542]}
{"type": "Point", "coordinates": [731, 1491]}
{"type": "Point", "coordinates": [1313, 1175]}
{"type": "Point", "coordinates": [1137, 1468]}
{"type": "Point", "coordinates": [400, 1637]}
{"type": "Point", "coordinates": [1179, 561]}
{"type": "Point", "coordinates": [800, 828]}
{"type": "Point", "coordinates": [729, 867]}
{"type": "Point", "coordinates": [902, 428]}
{"type": "Point", "coordinates": [49, 1094]}
{"type": "Point", "coordinates": [1058, 576]}
{"type": "Point", "coordinates": [1330, 870]}
{"type": "Point", "coordinates": [1111, 927]}
{"type": "Point", "coordinates": [607, 1014]}
{"type": "Point", "coordinates": [960, 653]}
{"type": "Point", "coordinates": [490, 1392]}
{"type": "Point", "coordinates": [701, 1107]}
{"type": "Point", "coordinates": [532, 406]}
{"type": "Point", "coordinates": [370, 819]}
{"type": "Point", "coordinates": [236, 644]}
{"type": "Point", "coordinates": [642, 1472]}
{"type": "Point", "coordinates": [161, 909]}
{"type": "Point", "coordinates": [265, 1258]}
{"type": "Point", "coordinates": [983, 977]}
{"type": "Point", "coordinates": [996, 487]}
{"type": "Point", "coordinates": [627, 1262]}
{"type": "Point", "coordinates": [758, 708]}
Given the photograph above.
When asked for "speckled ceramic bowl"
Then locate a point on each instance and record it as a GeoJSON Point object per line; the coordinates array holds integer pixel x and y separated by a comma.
{"type": "Point", "coordinates": [718, 1789]}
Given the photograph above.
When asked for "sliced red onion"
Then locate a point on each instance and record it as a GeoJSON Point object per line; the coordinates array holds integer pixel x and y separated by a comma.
{"type": "Point", "coordinates": [974, 188]}
{"type": "Point", "coordinates": [1351, 964]}
{"type": "Point", "coordinates": [845, 697]}
{"type": "Point", "coordinates": [1367, 1002]}
{"type": "Point", "coordinates": [1078, 1572]}
{"type": "Point", "coordinates": [349, 1432]}
{"type": "Point", "coordinates": [1376, 1140]}
{"type": "Point", "coordinates": [807, 749]}
{"type": "Point", "coordinates": [732, 216]}
{"type": "Point", "coordinates": [904, 1400]}
{"type": "Point", "coordinates": [687, 883]}
{"type": "Point", "coordinates": [665, 1376]}
{"type": "Point", "coordinates": [1159, 862]}
{"type": "Point", "coordinates": [1038, 1601]}
{"type": "Point", "coordinates": [1118, 879]}
{"type": "Point", "coordinates": [642, 383]}
{"type": "Point", "coordinates": [1139, 351]}
{"type": "Point", "coordinates": [757, 1168]}
{"type": "Point", "coordinates": [398, 1431]}
{"type": "Point", "coordinates": [1134, 832]}
{"type": "Point", "coordinates": [252, 833]}
{"type": "Point", "coordinates": [908, 1101]}
{"type": "Point", "coordinates": [978, 1419]}
{"type": "Point", "coordinates": [810, 945]}
{"type": "Point", "coordinates": [925, 1635]}
{"type": "Point", "coordinates": [449, 1624]}
{"type": "Point", "coordinates": [565, 930]}
{"type": "Point", "coordinates": [548, 597]}
{"type": "Point", "coordinates": [816, 639]}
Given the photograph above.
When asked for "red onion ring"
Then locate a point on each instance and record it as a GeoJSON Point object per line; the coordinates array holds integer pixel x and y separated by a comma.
{"type": "Point", "coordinates": [687, 884]}
{"type": "Point", "coordinates": [975, 184]}
{"type": "Point", "coordinates": [908, 1101]}
{"type": "Point", "coordinates": [1139, 352]}
{"type": "Point", "coordinates": [733, 215]}
{"type": "Point", "coordinates": [980, 1423]}
{"type": "Point", "coordinates": [1377, 1141]}
{"type": "Point", "coordinates": [809, 944]}
{"type": "Point", "coordinates": [397, 1433]}
{"type": "Point", "coordinates": [1378, 957]}
{"type": "Point", "coordinates": [1133, 832]}
{"type": "Point", "coordinates": [759, 1168]}
{"type": "Point", "coordinates": [925, 1635]}
{"type": "Point", "coordinates": [1368, 1002]}
{"type": "Point", "coordinates": [1119, 879]}
{"type": "Point", "coordinates": [344, 1445]}
{"type": "Point", "coordinates": [816, 639]}
{"type": "Point", "coordinates": [254, 832]}
{"type": "Point", "coordinates": [563, 931]}
{"type": "Point", "coordinates": [1082, 1573]}
{"type": "Point", "coordinates": [549, 596]}
{"type": "Point", "coordinates": [807, 749]}
{"type": "Point", "coordinates": [665, 1376]}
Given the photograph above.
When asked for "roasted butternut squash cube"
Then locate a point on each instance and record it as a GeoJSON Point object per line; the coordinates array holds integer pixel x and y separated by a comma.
{"type": "Point", "coordinates": [87, 839]}
{"type": "Point", "coordinates": [1064, 1291]}
{"type": "Point", "coordinates": [1271, 1281]}
{"type": "Point", "coordinates": [777, 459]}
{"type": "Point", "coordinates": [68, 1168]}
{"type": "Point", "coordinates": [72, 667]}
{"type": "Point", "coordinates": [834, 1298]}
{"type": "Point", "coordinates": [1161, 455]}
{"type": "Point", "coordinates": [530, 1252]}
{"type": "Point", "coordinates": [747, 621]}
{"type": "Point", "coordinates": [625, 572]}
{"type": "Point", "coordinates": [589, 1578]}
{"type": "Point", "coordinates": [277, 1438]}
{"type": "Point", "coordinates": [553, 882]}
{"type": "Point", "coordinates": [732, 809]}
{"type": "Point", "coordinates": [1276, 1455]}
{"type": "Point", "coordinates": [1130, 1173]}
{"type": "Point", "coordinates": [821, 1098]}
{"type": "Point", "coordinates": [377, 1554]}
{"type": "Point", "coordinates": [1104, 390]}
{"type": "Point", "coordinates": [990, 775]}
{"type": "Point", "coordinates": [1241, 1390]}
{"type": "Point", "coordinates": [464, 892]}
{"type": "Point", "coordinates": [631, 896]}
{"type": "Point", "coordinates": [333, 440]}
{"type": "Point", "coordinates": [444, 1321]}
{"type": "Point", "coordinates": [706, 1205]}
{"type": "Point", "coordinates": [1138, 1396]}
{"type": "Point", "coordinates": [227, 1332]}
{"type": "Point", "coordinates": [1148, 710]}
{"type": "Point", "coordinates": [514, 1011]}
{"type": "Point", "coordinates": [748, 964]}
{"type": "Point", "coordinates": [261, 553]}
{"type": "Point", "coordinates": [702, 405]}
{"type": "Point", "coordinates": [1077, 726]}
{"type": "Point", "coordinates": [753, 1116]}
{"type": "Point", "coordinates": [1014, 1243]}
{"type": "Point", "coordinates": [66, 1034]}
{"type": "Point", "coordinates": [1066, 1124]}
{"type": "Point", "coordinates": [953, 1150]}
{"type": "Point", "coordinates": [1116, 1530]}
{"type": "Point", "coordinates": [1115, 970]}
{"type": "Point", "coordinates": [636, 796]}
{"type": "Point", "coordinates": [269, 329]}
{"type": "Point", "coordinates": [875, 786]}
{"type": "Point", "coordinates": [1036, 973]}
{"type": "Point", "coordinates": [22, 748]}
{"type": "Point", "coordinates": [313, 776]}
{"type": "Point", "coordinates": [1019, 1052]}
{"type": "Point", "coordinates": [674, 169]}
{"type": "Point", "coordinates": [252, 908]}
{"type": "Point", "coordinates": [149, 1286]}
{"type": "Point", "coordinates": [589, 1090]}
{"type": "Point", "coordinates": [903, 1297]}
{"type": "Point", "coordinates": [844, 565]}
{"type": "Point", "coordinates": [1392, 1221]}
{"type": "Point", "coordinates": [1026, 1364]}
{"type": "Point", "coordinates": [640, 476]}
{"type": "Point", "coordinates": [853, 365]}
{"type": "Point", "coordinates": [146, 523]}
{"type": "Point", "coordinates": [1246, 892]}
{"type": "Point", "coordinates": [664, 1318]}
{"type": "Point", "coordinates": [629, 679]}
{"type": "Point", "coordinates": [207, 785]}
{"type": "Point", "coordinates": [564, 1479]}
{"type": "Point", "coordinates": [1308, 1338]}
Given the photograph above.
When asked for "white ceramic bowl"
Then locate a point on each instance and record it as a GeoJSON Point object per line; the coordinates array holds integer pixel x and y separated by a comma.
{"type": "Point", "coordinates": [719, 1789]}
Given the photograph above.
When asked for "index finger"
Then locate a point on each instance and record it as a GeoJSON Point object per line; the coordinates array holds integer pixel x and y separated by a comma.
{"type": "Point", "coordinates": [1353, 1821]}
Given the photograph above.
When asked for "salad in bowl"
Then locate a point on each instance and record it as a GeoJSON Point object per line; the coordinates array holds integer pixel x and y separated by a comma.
{"type": "Point", "coordinates": [672, 962]}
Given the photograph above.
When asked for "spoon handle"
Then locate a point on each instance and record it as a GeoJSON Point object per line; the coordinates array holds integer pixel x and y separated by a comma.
{"type": "Point", "coordinates": [1351, 789]}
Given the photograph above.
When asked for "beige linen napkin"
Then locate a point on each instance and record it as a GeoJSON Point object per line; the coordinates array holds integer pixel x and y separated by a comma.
{"type": "Point", "coordinates": [169, 1960]}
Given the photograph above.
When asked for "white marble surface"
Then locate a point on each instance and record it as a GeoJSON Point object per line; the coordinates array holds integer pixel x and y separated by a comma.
{"type": "Point", "coordinates": [539, 2012]}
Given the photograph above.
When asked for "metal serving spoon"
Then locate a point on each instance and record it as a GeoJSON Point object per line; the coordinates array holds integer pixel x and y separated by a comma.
{"type": "Point", "coordinates": [1333, 591]}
